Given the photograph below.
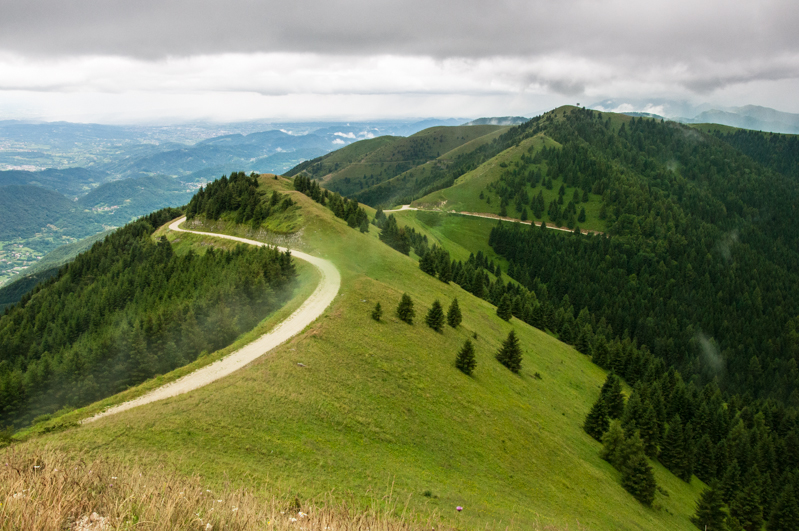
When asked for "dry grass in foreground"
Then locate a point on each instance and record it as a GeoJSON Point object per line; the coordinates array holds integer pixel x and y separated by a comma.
{"type": "Point", "coordinates": [45, 490]}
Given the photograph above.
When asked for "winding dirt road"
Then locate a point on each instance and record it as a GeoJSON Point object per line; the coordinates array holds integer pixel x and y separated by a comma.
{"type": "Point", "coordinates": [312, 308]}
{"type": "Point", "coordinates": [491, 216]}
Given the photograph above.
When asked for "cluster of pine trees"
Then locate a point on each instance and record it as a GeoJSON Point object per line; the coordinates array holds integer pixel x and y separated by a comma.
{"type": "Point", "coordinates": [126, 310]}
{"type": "Point", "coordinates": [237, 195]}
{"type": "Point", "coordinates": [512, 188]}
{"type": "Point", "coordinates": [402, 239]}
{"type": "Point", "coordinates": [346, 209]}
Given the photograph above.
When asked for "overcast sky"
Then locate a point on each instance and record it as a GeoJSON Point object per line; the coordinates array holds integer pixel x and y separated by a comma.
{"type": "Point", "coordinates": [171, 60]}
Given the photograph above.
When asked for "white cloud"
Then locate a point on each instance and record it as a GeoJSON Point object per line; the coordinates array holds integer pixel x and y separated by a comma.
{"type": "Point", "coordinates": [338, 141]}
{"type": "Point", "coordinates": [345, 135]}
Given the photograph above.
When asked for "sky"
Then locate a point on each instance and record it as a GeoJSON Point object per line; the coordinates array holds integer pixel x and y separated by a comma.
{"type": "Point", "coordinates": [168, 61]}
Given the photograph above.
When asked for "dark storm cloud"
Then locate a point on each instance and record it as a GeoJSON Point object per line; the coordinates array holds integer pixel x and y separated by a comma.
{"type": "Point", "coordinates": [659, 30]}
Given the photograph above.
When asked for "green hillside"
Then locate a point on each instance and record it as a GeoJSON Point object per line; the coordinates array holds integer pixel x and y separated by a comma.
{"type": "Point", "coordinates": [508, 184]}
{"type": "Point", "coordinates": [695, 222]}
{"type": "Point", "coordinates": [360, 168]}
{"type": "Point", "coordinates": [360, 408]}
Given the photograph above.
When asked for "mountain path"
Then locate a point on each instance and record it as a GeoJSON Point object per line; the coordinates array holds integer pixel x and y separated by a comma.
{"type": "Point", "coordinates": [491, 216]}
{"type": "Point", "coordinates": [306, 314]}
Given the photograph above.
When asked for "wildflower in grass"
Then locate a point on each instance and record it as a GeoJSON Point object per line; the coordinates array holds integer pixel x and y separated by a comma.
{"type": "Point", "coordinates": [208, 526]}
{"type": "Point", "coordinates": [292, 519]}
{"type": "Point", "coordinates": [301, 514]}
{"type": "Point", "coordinates": [459, 508]}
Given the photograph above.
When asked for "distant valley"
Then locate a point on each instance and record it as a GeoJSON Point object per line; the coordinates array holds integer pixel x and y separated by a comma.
{"type": "Point", "coordinates": [61, 182]}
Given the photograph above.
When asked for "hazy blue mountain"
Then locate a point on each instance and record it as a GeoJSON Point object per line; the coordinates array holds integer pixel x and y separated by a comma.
{"type": "Point", "coordinates": [746, 117]}
{"type": "Point", "coordinates": [28, 210]}
{"type": "Point", "coordinates": [752, 117]}
{"type": "Point", "coordinates": [71, 182]}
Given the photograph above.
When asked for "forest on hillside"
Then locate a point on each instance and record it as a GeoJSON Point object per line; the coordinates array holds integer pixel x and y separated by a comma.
{"type": "Point", "coordinates": [126, 310]}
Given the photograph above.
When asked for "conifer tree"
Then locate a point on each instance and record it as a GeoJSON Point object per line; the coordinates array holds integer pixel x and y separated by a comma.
{"type": "Point", "coordinates": [454, 317]}
{"type": "Point", "coordinates": [478, 288]}
{"type": "Point", "coordinates": [445, 270]}
{"type": "Point", "coordinates": [785, 514]}
{"type": "Point", "coordinates": [435, 316]}
{"type": "Point", "coordinates": [405, 309]}
{"type": "Point", "coordinates": [599, 352]}
{"type": "Point", "coordinates": [612, 440]}
{"type": "Point", "coordinates": [427, 263]}
{"type": "Point", "coordinates": [633, 445]}
{"type": "Point", "coordinates": [705, 468]}
{"type": "Point", "coordinates": [710, 513]}
{"type": "Point", "coordinates": [510, 355]}
{"type": "Point", "coordinates": [377, 313]}
{"type": "Point", "coordinates": [505, 308]}
{"type": "Point", "coordinates": [672, 451]}
{"type": "Point", "coordinates": [597, 422]}
{"type": "Point", "coordinates": [466, 361]}
{"type": "Point", "coordinates": [731, 482]}
{"type": "Point", "coordinates": [746, 508]}
{"type": "Point", "coordinates": [638, 479]}
{"type": "Point", "coordinates": [611, 395]}
{"type": "Point", "coordinates": [582, 344]}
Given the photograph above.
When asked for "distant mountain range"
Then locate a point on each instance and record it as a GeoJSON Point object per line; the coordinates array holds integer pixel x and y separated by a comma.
{"type": "Point", "coordinates": [747, 117]}
{"type": "Point", "coordinates": [65, 181]}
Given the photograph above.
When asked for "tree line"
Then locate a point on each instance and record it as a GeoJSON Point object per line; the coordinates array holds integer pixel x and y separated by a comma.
{"type": "Point", "coordinates": [347, 209]}
{"type": "Point", "coordinates": [126, 310]}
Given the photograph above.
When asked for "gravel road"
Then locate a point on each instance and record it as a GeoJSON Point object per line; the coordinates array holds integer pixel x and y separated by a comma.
{"type": "Point", "coordinates": [312, 308]}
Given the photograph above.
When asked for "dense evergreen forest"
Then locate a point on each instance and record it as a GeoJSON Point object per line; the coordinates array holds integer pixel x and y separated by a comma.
{"type": "Point", "coordinates": [702, 265]}
{"type": "Point", "coordinates": [698, 273]}
{"type": "Point", "coordinates": [772, 150]}
{"type": "Point", "coordinates": [237, 195]}
{"type": "Point", "coordinates": [128, 309]}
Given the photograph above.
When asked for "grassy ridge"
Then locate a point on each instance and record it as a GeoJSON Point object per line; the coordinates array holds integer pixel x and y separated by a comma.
{"type": "Point", "coordinates": [377, 404]}
{"type": "Point", "coordinates": [368, 163]}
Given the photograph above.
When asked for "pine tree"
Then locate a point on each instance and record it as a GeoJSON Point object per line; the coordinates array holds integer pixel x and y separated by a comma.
{"type": "Point", "coordinates": [377, 313]}
{"type": "Point", "coordinates": [435, 316]}
{"type": "Point", "coordinates": [427, 263]}
{"type": "Point", "coordinates": [466, 361]}
{"type": "Point", "coordinates": [731, 482]}
{"type": "Point", "coordinates": [710, 513]}
{"type": "Point", "coordinates": [478, 288]}
{"type": "Point", "coordinates": [581, 216]}
{"type": "Point", "coordinates": [638, 479]}
{"type": "Point", "coordinates": [454, 317]}
{"type": "Point", "coordinates": [405, 309]}
{"type": "Point", "coordinates": [672, 451]}
{"type": "Point", "coordinates": [597, 422]}
{"type": "Point", "coordinates": [510, 355]}
{"type": "Point", "coordinates": [611, 395]}
{"type": "Point", "coordinates": [705, 468]}
{"type": "Point", "coordinates": [785, 514]}
{"type": "Point", "coordinates": [505, 308]}
{"type": "Point", "coordinates": [445, 270]}
{"type": "Point", "coordinates": [612, 440]}
{"type": "Point", "coordinates": [582, 344]}
{"type": "Point", "coordinates": [746, 508]}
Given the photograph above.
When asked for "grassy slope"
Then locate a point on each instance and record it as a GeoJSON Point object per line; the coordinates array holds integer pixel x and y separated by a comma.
{"type": "Point", "coordinates": [382, 161]}
{"type": "Point", "coordinates": [464, 195]}
{"type": "Point", "coordinates": [380, 404]}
